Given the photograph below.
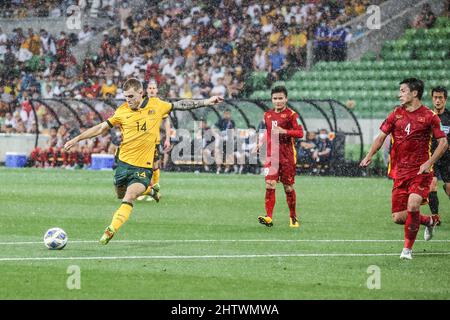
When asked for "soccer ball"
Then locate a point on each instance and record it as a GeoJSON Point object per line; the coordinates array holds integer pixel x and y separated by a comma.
{"type": "Point", "coordinates": [55, 238]}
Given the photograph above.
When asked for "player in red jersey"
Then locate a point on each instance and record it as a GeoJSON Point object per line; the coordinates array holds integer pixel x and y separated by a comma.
{"type": "Point", "coordinates": [282, 125]}
{"type": "Point", "coordinates": [411, 126]}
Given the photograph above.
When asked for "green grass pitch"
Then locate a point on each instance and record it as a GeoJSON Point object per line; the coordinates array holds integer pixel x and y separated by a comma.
{"type": "Point", "coordinates": [203, 241]}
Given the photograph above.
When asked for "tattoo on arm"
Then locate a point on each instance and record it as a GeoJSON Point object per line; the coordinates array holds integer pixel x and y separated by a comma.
{"type": "Point", "coordinates": [189, 104]}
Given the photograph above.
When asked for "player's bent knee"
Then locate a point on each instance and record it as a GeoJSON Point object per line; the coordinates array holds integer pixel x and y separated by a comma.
{"type": "Point", "coordinates": [414, 202]}
{"type": "Point", "coordinates": [271, 184]}
{"type": "Point", "coordinates": [399, 217]}
{"type": "Point", "coordinates": [413, 207]}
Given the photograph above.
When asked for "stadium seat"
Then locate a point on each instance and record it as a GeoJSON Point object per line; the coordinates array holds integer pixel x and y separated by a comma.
{"type": "Point", "coordinates": [295, 94]}
{"type": "Point", "coordinates": [306, 94]}
{"type": "Point", "coordinates": [389, 45]}
{"type": "Point", "coordinates": [442, 22]}
{"type": "Point", "coordinates": [327, 94]}
{"type": "Point", "coordinates": [338, 84]}
{"type": "Point", "coordinates": [363, 104]}
{"type": "Point", "coordinates": [373, 84]}
{"type": "Point", "coordinates": [291, 84]}
{"type": "Point", "coordinates": [402, 44]}
{"type": "Point", "coordinates": [326, 84]}
{"type": "Point", "coordinates": [398, 55]}
{"type": "Point", "coordinates": [261, 94]}
{"type": "Point", "coordinates": [410, 34]}
{"type": "Point", "coordinates": [369, 56]}
{"type": "Point", "coordinates": [433, 54]}
{"type": "Point", "coordinates": [384, 84]}
{"type": "Point", "coordinates": [298, 76]}
{"type": "Point", "coordinates": [379, 65]}
{"type": "Point", "coordinates": [258, 80]}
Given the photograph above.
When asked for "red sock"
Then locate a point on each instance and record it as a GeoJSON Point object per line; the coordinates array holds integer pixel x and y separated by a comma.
{"type": "Point", "coordinates": [270, 201]}
{"type": "Point", "coordinates": [425, 220]}
{"type": "Point", "coordinates": [412, 225]}
{"type": "Point", "coordinates": [291, 201]}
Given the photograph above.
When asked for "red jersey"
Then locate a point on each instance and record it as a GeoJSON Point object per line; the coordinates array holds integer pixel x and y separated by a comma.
{"type": "Point", "coordinates": [411, 139]}
{"type": "Point", "coordinates": [286, 119]}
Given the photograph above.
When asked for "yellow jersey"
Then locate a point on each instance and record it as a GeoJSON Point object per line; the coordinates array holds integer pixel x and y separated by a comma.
{"type": "Point", "coordinates": [140, 131]}
{"type": "Point", "coordinates": [160, 104]}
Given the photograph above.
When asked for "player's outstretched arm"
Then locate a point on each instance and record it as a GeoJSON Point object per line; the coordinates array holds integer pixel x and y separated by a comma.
{"type": "Point", "coordinates": [195, 104]}
{"type": "Point", "coordinates": [89, 133]}
{"type": "Point", "coordinates": [378, 143]}
{"type": "Point", "coordinates": [439, 152]}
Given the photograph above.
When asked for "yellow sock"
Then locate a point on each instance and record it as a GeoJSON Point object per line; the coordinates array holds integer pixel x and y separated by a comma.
{"type": "Point", "coordinates": [148, 190]}
{"type": "Point", "coordinates": [155, 177]}
{"type": "Point", "coordinates": [121, 215]}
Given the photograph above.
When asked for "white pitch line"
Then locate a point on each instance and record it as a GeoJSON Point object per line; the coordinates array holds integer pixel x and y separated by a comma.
{"type": "Point", "coordinates": [226, 240]}
{"type": "Point", "coordinates": [243, 256]}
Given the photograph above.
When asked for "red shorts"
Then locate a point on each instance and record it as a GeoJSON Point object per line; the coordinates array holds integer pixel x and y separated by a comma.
{"type": "Point", "coordinates": [419, 184]}
{"type": "Point", "coordinates": [285, 173]}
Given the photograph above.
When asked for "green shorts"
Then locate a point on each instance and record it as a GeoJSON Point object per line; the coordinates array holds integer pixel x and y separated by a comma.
{"type": "Point", "coordinates": [127, 174]}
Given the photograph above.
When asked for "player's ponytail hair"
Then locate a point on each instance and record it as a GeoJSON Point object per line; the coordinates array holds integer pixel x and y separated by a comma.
{"type": "Point", "coordinates": [132, 83]}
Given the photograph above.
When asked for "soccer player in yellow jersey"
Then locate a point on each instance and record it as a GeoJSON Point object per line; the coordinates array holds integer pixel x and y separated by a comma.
{"type": "Point", "coordinates": [153, 191]}
{"type": "Point", "coordinates": [139, 122]}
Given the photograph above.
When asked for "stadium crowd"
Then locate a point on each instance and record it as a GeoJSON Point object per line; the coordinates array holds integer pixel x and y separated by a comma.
{"type": "Point", "coordinates": [19, 9]}
{"type": "Point", "coordinates": [192, 50]}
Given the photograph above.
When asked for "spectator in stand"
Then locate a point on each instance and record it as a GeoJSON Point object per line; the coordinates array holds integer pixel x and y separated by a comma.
{"type": "Point", "coordinates": [321, 42]}
{"type": "Point", "coordinates": [108, 88]}
{"type": "Point", "coordinates": [33, 43]}
{"type": "Point", "coordinates": [92, 90]}
{"type": "Point", "coordinates": [277, 62]}
{"type": "Point", "coordinates": [2, 118]}
{"type": "Point", "coordinates": [17, 39]}
{"type": "Point", "coordinates": [226, 126]}
{"type": "Point", "coordinates": [307, 149]}
{"type": "Point", "coordinates": [205, 137]}
{"type": "Point", "coordinates": [39, 156]}
{"type": "Point", "coordinates": [234, 86]}
{"type": "Point", "coordinates": [5, 99]}
{"type": "Point", "coordinates": [322, 153]}
{"type": "Point", "coordinates": [338, 45]}
{"type": "Point", "coordinates": [47, 43]}
{"type": "Point", "coordinates": [62, 47]}
{"type": "Point", "coordinates": [85, 35]}
{"type": "Point", "coordinates": [425, 19]}
{"type": "Point", "coordinates": [7, 122]}
{"type": "Point", "coordinates": [248, 141]}
{"type": "Point", "coordinates": [3, 44]}
{"type": "Point", "coordinates": [219, 89]}
{"type": "Point", "coordinates": [260, 59]}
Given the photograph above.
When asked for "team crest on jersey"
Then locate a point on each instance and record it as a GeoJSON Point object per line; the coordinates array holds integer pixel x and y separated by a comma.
{"type": "Point", "coordinates": [421, 119]}
{"type": "Point", "coordinates": [398, 116]}
{"type": "Point", "coordinates": [150, 112]}
{"type": "Point", "coordinates": [283, 115]}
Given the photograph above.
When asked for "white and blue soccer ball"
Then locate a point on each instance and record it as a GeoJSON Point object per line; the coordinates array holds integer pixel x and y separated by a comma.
{"type": "Point", "coordinates": [55, 238]}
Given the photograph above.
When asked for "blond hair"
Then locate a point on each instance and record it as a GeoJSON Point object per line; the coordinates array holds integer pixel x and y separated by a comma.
{"type": "Point", "coordinates": [132, 83]}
